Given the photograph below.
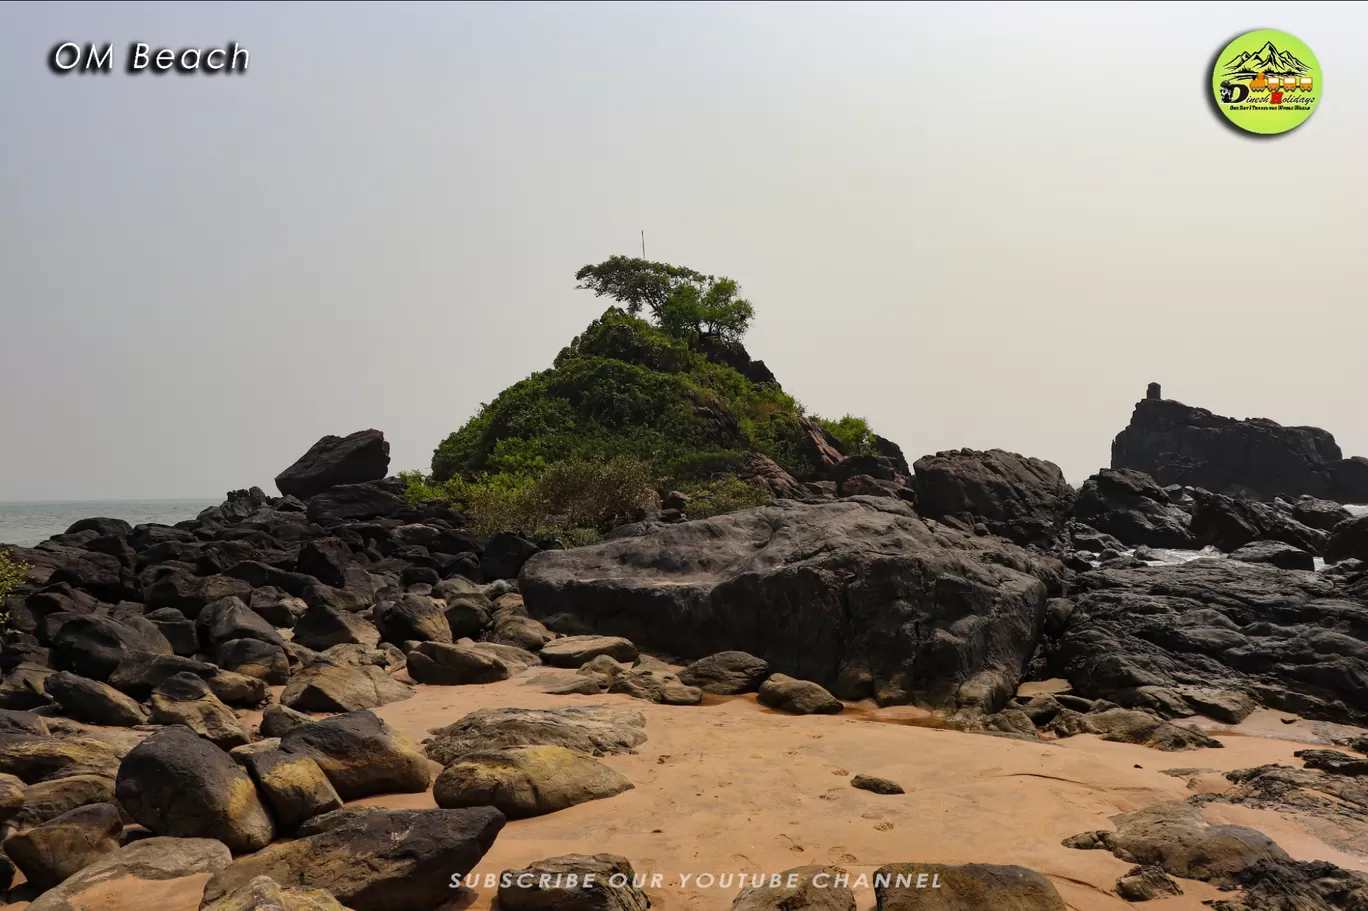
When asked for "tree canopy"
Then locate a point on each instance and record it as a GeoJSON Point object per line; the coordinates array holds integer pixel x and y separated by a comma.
{"type": "Point", "coordinates": [686, 304]}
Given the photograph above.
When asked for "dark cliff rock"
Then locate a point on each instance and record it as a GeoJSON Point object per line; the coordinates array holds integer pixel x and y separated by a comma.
{"type": "Point", "coordinates": [1180, 444]}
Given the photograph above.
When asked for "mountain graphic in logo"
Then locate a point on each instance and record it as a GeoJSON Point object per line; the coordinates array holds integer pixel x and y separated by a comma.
{"type": "Point", "coordinates": [1268, 59]}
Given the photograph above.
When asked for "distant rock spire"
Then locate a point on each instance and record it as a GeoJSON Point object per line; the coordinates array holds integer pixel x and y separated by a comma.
{"type": "Point", "coordinates": [1153, 391]}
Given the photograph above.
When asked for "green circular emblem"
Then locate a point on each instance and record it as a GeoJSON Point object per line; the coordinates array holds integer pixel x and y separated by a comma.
{"type": "Point", "coordinates": [1267, 82]}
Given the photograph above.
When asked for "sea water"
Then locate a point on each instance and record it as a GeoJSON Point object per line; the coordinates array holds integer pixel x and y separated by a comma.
{"type": "Point", "coordinates": [26, 524]}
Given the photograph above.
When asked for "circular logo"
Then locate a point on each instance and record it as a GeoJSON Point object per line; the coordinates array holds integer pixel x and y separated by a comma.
{"type": "Point", "coordinates": [1267, 82]}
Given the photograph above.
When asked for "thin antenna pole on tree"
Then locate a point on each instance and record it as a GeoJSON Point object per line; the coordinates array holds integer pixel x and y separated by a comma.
{"type": "Point", "coordinates": [643, 243]}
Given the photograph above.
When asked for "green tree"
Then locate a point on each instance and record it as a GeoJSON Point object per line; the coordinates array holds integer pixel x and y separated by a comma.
{"type": "Point", "coordinates": [686, 304]}
{"type": "Point", "coordinates": [13, 574]}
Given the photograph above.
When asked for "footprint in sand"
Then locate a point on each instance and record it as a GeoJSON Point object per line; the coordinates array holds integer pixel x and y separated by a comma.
{"type": "Point", "coordinates": [883, 826]}
{"type": "Point", "coordinates": [792, 845]}
{"type": "Point", "coordinates": [839, 855]}
{"type": "Point", "coordinates": [841, 772]}
{"type": "Point", "coordinates": [833, 794]}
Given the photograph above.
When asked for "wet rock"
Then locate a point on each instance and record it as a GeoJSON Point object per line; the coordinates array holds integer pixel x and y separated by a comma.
{"type": "Point", "coordinates": [93, 702]}
{"type": "Point", "coordinates": [382, 860]}
{"type": "Point", "coordinates": [573, 882]}
{"type": "Point", "coordinates": [798, 697]}
{"type": "Point", "coordinates": [526, 781]}
{"type": "Point", "coordinates": [1229, 523]}
{"type": "Point", "coordinates": [591, 730]}
{"type": "Point", "coordinates": [361, 755]}
{"type": "Point", "coordinates": [1333, 761]}
{"type": "Point", "coordinates": [59, 848]}
{"type": "Point", "coordinates": [176, 783]}
{"type": "Point", "coordinates": [726, 673]}
{"type": "Point", "coordinates": [1275, 553]}
{"type": "Point", "coordinates": [1348, 541]}
{"type": "Point", "coordinates": [1320, 514]}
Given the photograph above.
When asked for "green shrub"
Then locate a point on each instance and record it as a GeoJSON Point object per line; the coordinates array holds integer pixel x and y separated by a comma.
{"type": "Point", "coordinates": [852, 433]}
{"type": "Point", "coordinates": [714, 498]}
{"type": "Point", "coordinates": [13, 573]}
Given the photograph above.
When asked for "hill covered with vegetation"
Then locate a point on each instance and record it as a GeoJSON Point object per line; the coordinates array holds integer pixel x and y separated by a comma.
{"type": "Point", "coordinates": [658, 394]}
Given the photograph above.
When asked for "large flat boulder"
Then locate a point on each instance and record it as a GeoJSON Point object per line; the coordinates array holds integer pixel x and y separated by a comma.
{"type": "Point", "coordinates": [593, 730]}
{"type": "Point", "coordinates": [861, 596]}
{"type": "Point", "coordinates": [353, 459]}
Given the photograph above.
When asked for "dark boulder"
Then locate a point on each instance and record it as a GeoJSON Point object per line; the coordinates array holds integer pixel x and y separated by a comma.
{"type": "Point", "coordinates": [1022, 499]}
{"type": "Point", "coordinates": [1349, 541]}
{"type": "Point", "coordinates": [141, 674]}
{"type": "Point", "coordinates": [1130, 506]}
{"type": "Point", "coordinates": [1323, 515]}
{"type": "Point", "coordinates": [101, 526]}
{"type": "Point", "coordinates": [1349, 480]}
{"type": "Point", "coordinates": [372, 859]}
{"type": "Point", "coordinates": [1275, 553]}
{"type": "Point", "coordinates": [99, 574]}
{"type": "Point", "coordinates": [94, 646]}
{"type": "Point", "coordinates": [185, 699]}
{"type": "Point", "coordinates": [353, 503]}
{"type": "Point", "coordinates": [726, 673]}
{"type": "Point", "coordinates": [231, 618]}
{"type": "Point", "coordinates": [361, 755]}
{"type": "Point", "coordinates": [176, 783]}
{"type": "Point", "coordinates": [1288, 639]}
{"type": "Point", "coordinates": [93, 702]}
{"type": "Point", "coordinates": [179, 631]}
{"type": "Point", "coordinates": [326, 559]}
{"type": "Point", "coordinates": [190, 594]}
{"type": "Point", "coordinates": [1229, 523]}
{"type": "Point", "coordinates": [353, 459]}
{"type": "Point", "coordinates": [504, 556]}
{"type": "Point", "coordinates": [57, 849]}
{"type": "Point", "coordinates": [293, 786]}
{"type": "Point", "coordinates": [860, 596]}
{"type": "Point", "coordinates": [322, 626]}
{"type": "Point", "coordinates": [412, 618]}
{"type": "Point", "coordinates": [254, 658]}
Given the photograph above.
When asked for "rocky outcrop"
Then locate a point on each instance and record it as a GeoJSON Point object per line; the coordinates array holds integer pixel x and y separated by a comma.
{"type": "Point", "coordinates": [1131, 507]}
{"type": "Point", "coordinates": [353, 459]}
{"type": "Point", "coordinates": [1349, 541]}
{"type": "Point", "coordinates": [861, 596]}
{"type": "Point", "coordinates": [1181, 444]}
{"type": "Point", "coordinates": [1229, 523]}
{"type": "Point", "coordinates": [1022, 499]}
{"type": "Point", "coordinates": [1289, 640]}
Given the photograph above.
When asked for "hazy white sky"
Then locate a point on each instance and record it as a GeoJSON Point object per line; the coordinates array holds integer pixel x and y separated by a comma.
{"type": "Point", "coordinates": [976, 225]}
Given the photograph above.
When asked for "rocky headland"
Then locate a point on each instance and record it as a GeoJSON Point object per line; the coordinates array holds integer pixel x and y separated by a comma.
{"type": "Point", "coordinates": [838, 679]}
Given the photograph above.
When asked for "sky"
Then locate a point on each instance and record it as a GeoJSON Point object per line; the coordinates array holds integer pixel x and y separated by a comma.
{"type": "Point", "coordinates": [978, 225]}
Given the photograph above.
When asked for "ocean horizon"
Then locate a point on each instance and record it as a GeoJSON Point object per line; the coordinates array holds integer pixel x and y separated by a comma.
{"type": "Point", "coordinates": [24, 523]}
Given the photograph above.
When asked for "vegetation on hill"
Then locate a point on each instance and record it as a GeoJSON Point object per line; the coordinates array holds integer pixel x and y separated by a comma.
{"type": "Point", "coordinates": [629, 409]}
